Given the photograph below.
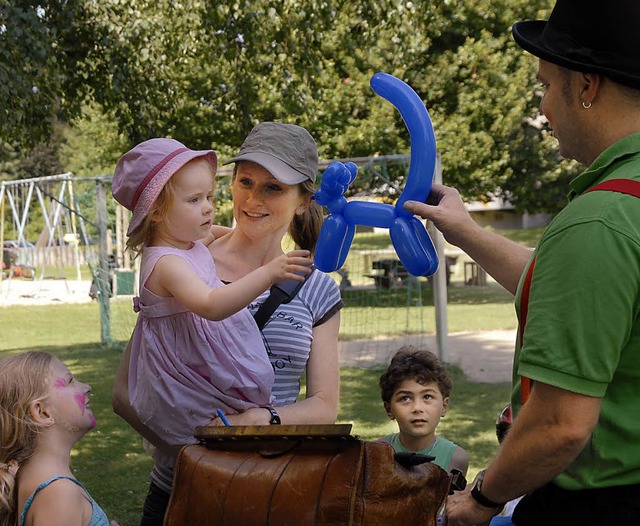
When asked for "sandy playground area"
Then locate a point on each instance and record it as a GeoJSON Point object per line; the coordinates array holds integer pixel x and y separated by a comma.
{"type": "Point", "coordinates": [44, 292]}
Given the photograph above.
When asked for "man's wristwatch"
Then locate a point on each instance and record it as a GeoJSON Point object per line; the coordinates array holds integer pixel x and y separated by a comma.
{"type": "Point", "coordinates": [275, 417]}
{"type": "Point", "coordinates": [476, 493]}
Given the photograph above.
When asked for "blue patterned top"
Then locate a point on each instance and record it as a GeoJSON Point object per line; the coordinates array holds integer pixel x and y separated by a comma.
{"type": "Point", "coordinates": [99, 517]}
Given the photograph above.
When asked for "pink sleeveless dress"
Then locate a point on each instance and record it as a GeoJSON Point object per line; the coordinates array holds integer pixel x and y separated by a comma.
{"type": "Point", "coordinates": [183, 367]}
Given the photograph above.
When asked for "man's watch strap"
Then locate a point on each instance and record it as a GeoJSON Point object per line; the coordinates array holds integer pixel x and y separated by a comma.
{"type": "Point", "coordinates": [275, 417]}
{"type": "Point", "coordinates": [476, 493]}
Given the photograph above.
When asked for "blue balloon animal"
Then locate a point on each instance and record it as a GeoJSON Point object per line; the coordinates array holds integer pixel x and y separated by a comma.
{"type": "Point", "coordinates": [408, 235]}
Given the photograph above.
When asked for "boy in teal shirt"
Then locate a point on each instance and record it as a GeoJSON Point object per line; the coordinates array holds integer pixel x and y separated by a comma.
{"type": "Point", "coordinates": [415, 391]}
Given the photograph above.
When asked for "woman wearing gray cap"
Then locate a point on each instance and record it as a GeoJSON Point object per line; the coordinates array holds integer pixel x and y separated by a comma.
{"type": "Point", "coordinates": [273, 182]}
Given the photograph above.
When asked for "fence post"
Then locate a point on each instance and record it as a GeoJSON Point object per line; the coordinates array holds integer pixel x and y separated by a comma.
{"type": "Point", "coordinates": [103, 274]}
{"type": "Point", "coordinates": [440, 282]}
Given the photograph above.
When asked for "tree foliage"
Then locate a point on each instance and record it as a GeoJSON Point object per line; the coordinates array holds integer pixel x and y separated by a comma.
{"type": "Point", "coordinates": [50, 62]}
{"type": "Point", "coordinates": [207, 72]}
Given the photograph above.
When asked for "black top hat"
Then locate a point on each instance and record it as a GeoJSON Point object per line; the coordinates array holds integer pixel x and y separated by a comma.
{"type": "Point", "coordinates": [593, 36]}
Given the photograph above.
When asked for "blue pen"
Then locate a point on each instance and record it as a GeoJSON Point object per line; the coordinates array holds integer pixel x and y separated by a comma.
{"type": "Point", "coordinates": [222, 417]}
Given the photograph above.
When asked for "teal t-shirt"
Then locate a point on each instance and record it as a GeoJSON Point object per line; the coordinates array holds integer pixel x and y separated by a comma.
{"type": "Point", "coordinates": [442, 449]}
{"type": "Point", "coordinates": [583, 329]}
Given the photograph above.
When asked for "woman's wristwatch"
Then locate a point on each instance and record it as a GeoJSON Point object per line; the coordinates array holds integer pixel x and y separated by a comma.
{"type": "Point", "coordinates": [275, 417]}
{"type": "Point", "coordinates": [476, 493]}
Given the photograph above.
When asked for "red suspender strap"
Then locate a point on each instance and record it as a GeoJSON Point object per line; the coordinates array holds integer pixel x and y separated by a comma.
{"type": "Point", "coordinates": [622, 186]}
{"type": "Point", "coordinates": [525, 383]}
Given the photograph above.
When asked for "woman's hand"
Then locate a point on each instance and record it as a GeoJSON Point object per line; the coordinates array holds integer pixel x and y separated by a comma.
{"type": "Point", "coordinates": [256, 416]}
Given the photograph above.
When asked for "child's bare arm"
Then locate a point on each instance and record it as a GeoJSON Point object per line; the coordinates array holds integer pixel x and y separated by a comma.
{"type": "Point", "coordinates": [174, 276]}
{"type": "Point", "coordinates": [218, 230]}
{"type": "Point", "coordinates": [288, 266]}
{"type": "Point", "coordinates": [460, 460]}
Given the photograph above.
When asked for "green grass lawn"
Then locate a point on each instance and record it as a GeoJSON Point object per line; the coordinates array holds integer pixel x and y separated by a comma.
{"type": "Point", "coordinates": [112, 464]}
{"type": "Point", "coordinates": [110, 460]}
{"type": "Point", "coordinates": [468, 309]}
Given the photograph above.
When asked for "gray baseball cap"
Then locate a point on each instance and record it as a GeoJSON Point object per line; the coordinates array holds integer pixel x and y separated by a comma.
{"type": "Point", "coordinates": [286, 151]}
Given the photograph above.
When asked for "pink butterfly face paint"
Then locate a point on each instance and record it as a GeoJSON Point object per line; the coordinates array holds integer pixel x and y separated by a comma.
{"type": "Point", "coordinates": [66, 387]}
{"type": "Point", "coordinates": [81, 400]}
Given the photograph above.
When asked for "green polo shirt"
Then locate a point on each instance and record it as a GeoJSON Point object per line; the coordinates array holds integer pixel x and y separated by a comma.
{"type": "Point", "coordinates": [583, 330]}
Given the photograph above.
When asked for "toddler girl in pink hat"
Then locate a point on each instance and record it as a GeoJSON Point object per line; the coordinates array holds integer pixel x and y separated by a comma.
{"type": "Point", "coordinates": [196, 347]}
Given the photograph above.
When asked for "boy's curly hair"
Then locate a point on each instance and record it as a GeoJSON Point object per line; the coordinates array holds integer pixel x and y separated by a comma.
{"type": "Point", "coordinates": [411, 363]}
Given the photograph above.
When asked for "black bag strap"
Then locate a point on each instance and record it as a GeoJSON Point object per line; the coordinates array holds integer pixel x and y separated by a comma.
{"type": "Point", "coordinates": [279, 293]}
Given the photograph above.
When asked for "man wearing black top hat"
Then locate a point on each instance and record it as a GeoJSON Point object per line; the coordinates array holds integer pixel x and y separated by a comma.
{"type": "Point", "coordinates": [573, 450]}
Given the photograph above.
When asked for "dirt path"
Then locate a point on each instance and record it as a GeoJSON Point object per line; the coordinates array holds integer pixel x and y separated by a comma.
{"type": "Point", "coordinates": [483, 356]}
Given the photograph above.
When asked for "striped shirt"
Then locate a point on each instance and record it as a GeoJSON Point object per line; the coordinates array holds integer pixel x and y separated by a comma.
{"type": "Point", "coordinates": [288, 334]}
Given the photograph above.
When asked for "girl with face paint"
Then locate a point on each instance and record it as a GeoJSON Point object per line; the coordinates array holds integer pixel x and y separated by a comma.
{"type": "Point", "coordinates": [44, 412]}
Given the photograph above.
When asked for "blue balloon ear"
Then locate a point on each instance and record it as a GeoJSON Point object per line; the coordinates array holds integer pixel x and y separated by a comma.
{"type": "Point", "coordinates": [353, 170]}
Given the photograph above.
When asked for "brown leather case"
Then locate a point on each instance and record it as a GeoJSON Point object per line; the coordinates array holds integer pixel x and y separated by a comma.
{"type": "Point", "coordinates": [299, 476]}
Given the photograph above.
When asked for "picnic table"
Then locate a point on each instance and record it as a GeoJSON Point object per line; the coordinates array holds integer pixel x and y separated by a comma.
{"type": "Point", "coordinates": [395, 275]}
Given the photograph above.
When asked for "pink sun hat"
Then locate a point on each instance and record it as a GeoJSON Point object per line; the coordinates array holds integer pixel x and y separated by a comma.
{"type": "Point", "coordinates": [142, 172]}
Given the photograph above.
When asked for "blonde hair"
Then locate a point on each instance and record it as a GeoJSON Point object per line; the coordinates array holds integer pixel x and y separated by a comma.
{"type": "Point", "coordinates": [24, 379]}
{"type": "Point", "coordinates": [158, 211]}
